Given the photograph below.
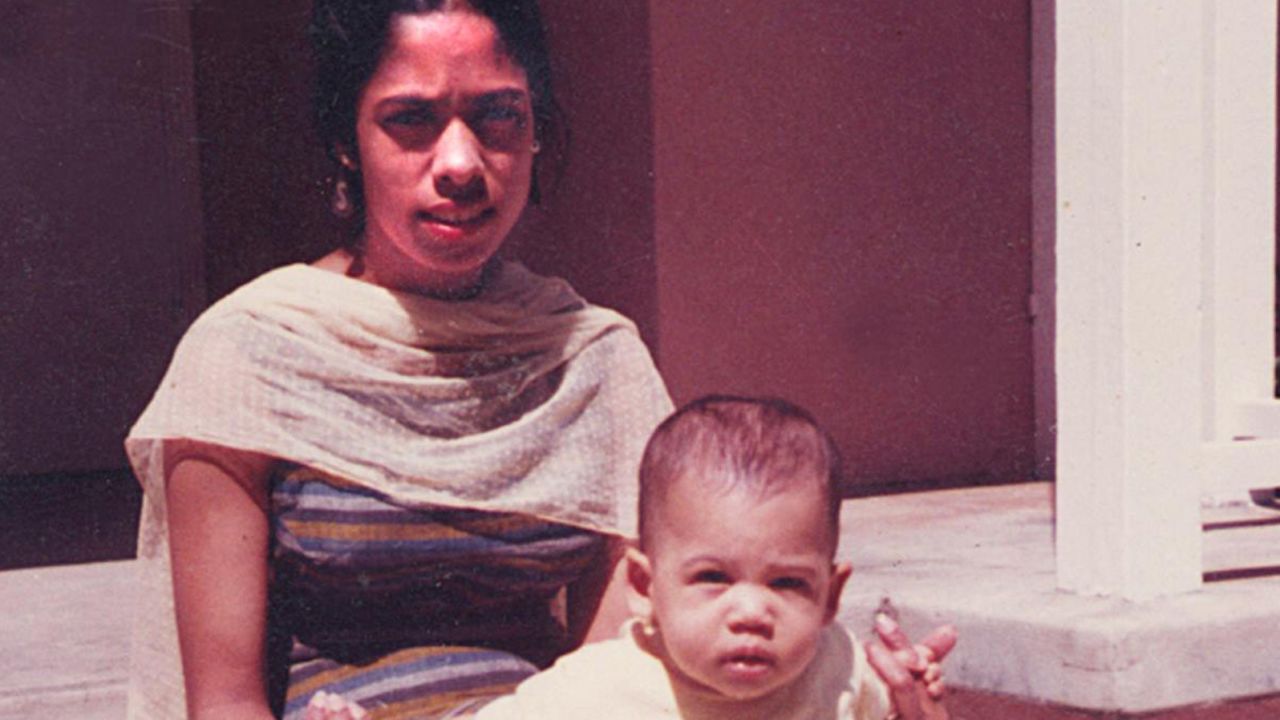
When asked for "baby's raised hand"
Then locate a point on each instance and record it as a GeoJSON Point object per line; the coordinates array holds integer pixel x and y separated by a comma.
{"type": "Point", "coordinates": [332, 706]}
{"type": "Point", "coordinates": [912, 672]}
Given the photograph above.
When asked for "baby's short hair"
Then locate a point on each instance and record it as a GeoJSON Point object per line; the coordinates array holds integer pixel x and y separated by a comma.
{"type": "Point", "coordinates": [763, 444]}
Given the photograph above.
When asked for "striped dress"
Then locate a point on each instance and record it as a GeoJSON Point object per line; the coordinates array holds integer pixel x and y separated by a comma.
{"type": "Point", "coordinates": [422, 613]}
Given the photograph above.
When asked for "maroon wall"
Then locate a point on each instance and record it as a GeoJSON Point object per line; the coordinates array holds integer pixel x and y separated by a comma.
{"type": "Point", "coordinates": [840, 211]}
{"type": "Point", "coordinates": [596, 228]}
{"type": "Point", "coordinates": [843, 219]}
{"type": "Point", "coordinates": [98, 225]}
{"type": "Point", "coordinates": [839, 216]}
{"type": "Point", "coordinates": [262, 168]}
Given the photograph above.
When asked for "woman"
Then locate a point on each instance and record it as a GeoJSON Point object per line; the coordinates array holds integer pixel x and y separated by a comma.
{"type": "Point", "coordinates": [416, 457]}
{"type": "Point", "coordinates": [399, 473]}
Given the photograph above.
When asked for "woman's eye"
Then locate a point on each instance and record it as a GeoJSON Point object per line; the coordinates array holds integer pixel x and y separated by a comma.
{"type": "Point", "coordinates": [710, 576]}
{"type": "Point", "coordinates": [499, 124]}
{"type": "Point", "coordinates": [501, 113]}
{"type": "Point", "coordinates": [410, 118]}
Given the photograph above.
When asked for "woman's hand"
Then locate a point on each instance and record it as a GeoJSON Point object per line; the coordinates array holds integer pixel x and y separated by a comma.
{"type": "Point", "coordinates": [332, 706]}
{"type": "Point", "coordinates": [912, 672]}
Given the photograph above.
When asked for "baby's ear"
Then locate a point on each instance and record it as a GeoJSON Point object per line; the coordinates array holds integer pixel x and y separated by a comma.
{"type": "Point", "coordinates": [639, 584]}
{"type": "Point", "coordinates": [840, 573]}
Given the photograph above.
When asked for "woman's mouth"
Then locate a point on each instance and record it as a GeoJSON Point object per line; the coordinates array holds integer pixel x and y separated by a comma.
{"type": "Point", "coordinates": [456, 223]}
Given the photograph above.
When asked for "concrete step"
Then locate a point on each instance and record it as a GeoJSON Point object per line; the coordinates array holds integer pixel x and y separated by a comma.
{"type": "Point", "coordinates": [65, 632]}
{"type": "Point", "coordinates": [983, 559]}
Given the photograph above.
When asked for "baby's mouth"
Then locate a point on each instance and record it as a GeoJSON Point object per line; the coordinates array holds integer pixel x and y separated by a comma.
{"type": "Point", "coordinates": [749, 661]}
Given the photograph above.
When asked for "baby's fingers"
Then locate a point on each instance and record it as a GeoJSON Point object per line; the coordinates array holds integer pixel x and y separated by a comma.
{"type": "Point", "coordinates": [933, 681]}
{"type": "Point", "coordinates": [941, 641]}
{"type": "Point", "coordinates": [900, 681]}
{"type": "Point", "coordinates": [896, 640]}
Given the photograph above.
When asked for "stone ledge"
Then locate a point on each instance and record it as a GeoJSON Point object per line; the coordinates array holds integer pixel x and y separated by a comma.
{"type": "Point", "coordinates": [66, 637]}
{"type": "Point", "coordinates": [982, 558]}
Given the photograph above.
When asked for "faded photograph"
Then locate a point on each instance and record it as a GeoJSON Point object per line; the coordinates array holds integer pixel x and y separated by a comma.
{"type": "Point", "coordinates": [859, 359]}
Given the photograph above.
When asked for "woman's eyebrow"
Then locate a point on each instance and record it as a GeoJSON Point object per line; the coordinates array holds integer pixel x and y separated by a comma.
{"type": "Point", "coordinates": [409, 100]}
{"type": "Point", "coordinates": [487, 98]}
{"type": "Point", "coordinates": [504, 95]}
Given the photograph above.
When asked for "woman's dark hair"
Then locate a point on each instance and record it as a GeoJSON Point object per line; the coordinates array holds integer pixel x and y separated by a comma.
{"type": "Point", "coordinates": [348, 38]}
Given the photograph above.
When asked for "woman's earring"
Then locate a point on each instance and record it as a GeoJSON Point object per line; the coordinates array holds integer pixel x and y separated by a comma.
{"type": "Point", "coordinates": [341, 203]}
{"type": "Point", "coordinates": [537, 147]}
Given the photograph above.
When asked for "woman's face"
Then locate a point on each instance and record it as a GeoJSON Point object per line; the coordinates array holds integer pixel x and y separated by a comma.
{"type": "Point", "coordinates": [445, 149]}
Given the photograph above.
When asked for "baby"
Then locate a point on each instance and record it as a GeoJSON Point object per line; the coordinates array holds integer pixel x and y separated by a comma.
{"type": "Point", "coordinates": [733, 588]}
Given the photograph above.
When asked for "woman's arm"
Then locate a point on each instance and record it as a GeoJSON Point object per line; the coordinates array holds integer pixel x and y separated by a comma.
{"type": "Point", "coordinates": [597, 603]}
{"type": "Point", "coordinates": [218, 526]}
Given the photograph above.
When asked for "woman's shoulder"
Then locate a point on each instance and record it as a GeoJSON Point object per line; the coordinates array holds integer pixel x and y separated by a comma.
{"type": "Point", "coordinates": [241, 329]}
{"type": "Point", "coordinates": [288, 300]}
{"type": "Point", "coordinates": [268, 288]}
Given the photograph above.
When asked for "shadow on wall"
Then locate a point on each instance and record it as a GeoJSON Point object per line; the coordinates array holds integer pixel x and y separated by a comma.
{"type": "Point", "coordinates": [57, 520]}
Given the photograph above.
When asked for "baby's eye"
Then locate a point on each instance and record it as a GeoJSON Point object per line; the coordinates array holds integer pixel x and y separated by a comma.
{"type": "Point", "coordinates": [716, 577]}
{"type": "Point", "coordinates": [789, 583]}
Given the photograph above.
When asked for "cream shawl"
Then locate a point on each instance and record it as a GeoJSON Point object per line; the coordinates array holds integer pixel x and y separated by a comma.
{"type": "Point", "coordinates": [523, 399]}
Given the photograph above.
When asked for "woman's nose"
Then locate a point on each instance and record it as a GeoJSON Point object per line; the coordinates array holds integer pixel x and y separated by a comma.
{"type": "Point", "coordinates": [750, 613]}
{"type": "Point", "coordinates": [457, 166]}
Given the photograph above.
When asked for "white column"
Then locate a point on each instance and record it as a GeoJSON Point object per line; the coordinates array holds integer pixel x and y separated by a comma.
{"type": "Point", "coordinates": [1131, 188]}
{"type": "Point", "coordinates": [1242, 415]}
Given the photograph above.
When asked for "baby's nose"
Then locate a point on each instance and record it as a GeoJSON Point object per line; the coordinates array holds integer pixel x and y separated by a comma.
{"type": "Point", "coordinates": [751, 613]}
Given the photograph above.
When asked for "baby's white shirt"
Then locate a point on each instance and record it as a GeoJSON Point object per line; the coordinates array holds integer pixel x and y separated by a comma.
{"type": "Point", "coordinates": [620, 680]}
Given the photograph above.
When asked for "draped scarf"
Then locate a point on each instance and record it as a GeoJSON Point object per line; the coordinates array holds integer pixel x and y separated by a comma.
{"type": "Point", "coordinates": [523, 399]}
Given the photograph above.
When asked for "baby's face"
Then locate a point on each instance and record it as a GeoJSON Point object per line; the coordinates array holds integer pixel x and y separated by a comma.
{"type": "Point", "coordinates": [741, 586]}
